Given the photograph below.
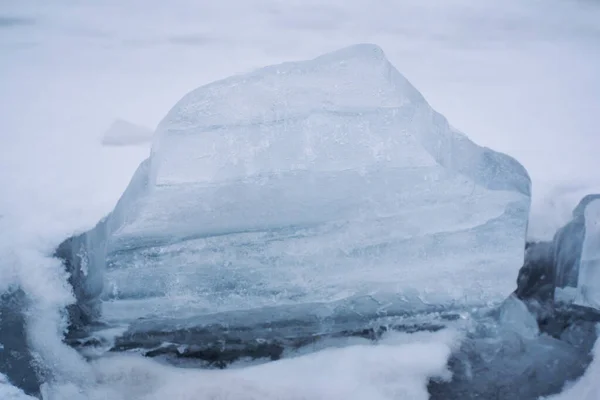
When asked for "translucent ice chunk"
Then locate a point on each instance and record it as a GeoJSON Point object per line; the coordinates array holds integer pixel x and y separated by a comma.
{"type": "Point", "coordinates": [515, 316]}
{"type": "Point", "coordinates": [327, 185]}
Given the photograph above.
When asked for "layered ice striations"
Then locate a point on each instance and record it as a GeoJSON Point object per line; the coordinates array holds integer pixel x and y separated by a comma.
{"type": "Point", "coordinates": [326, 188]}
{"type": "Point", "coordinates": [576, 256]}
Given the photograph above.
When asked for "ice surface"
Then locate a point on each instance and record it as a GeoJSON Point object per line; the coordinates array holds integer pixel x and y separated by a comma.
{"type": "Point", "coordinates": [329, 184]}
{"type": "Point", "coordinates": [515, 316]}
{"type": "Point", "coordinates": [124, 133]}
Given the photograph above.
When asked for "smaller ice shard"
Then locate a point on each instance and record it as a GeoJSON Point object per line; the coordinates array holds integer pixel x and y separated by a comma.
{"type": "Point", "coordinates": [576, 249]}
{"type": "Point", "coordinates": [566, 269]}
{"type": "Point", "coordinates": [124, 133]}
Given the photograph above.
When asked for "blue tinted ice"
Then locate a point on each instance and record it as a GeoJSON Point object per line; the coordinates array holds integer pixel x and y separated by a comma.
{"type": "Point", "coordinates": [324, 187]}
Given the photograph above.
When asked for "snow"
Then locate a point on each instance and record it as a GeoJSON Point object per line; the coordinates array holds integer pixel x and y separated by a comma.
{"type": "Point", "coordinates": [519, 77]}
{"type": "Point", "coordinates": [515, 316]}
{"type": "Point", "coordinates": [125, 133]}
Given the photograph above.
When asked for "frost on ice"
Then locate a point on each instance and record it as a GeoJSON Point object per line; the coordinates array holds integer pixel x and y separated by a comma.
{"type": "Point", "coordinates": [305, 198]}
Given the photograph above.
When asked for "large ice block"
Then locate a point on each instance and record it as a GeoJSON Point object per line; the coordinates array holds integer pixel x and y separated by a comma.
{"type": "Point", "coordinates": [324, 188]}
{"type": "Point", "coordinates": [589, 268]}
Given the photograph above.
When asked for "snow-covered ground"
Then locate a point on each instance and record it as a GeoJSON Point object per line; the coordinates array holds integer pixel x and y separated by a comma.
{"type": "Point", "coordinates": [519, 76]}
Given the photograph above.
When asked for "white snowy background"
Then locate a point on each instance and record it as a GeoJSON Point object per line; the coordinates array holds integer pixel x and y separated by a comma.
{"type": "Point", "coordinates": [519, 76]}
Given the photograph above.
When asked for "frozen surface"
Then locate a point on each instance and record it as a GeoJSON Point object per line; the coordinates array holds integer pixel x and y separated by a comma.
{"type": "Point", "coordinates": [125, 133]}
{"type": "Point", "coordinates": [328, 182]}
